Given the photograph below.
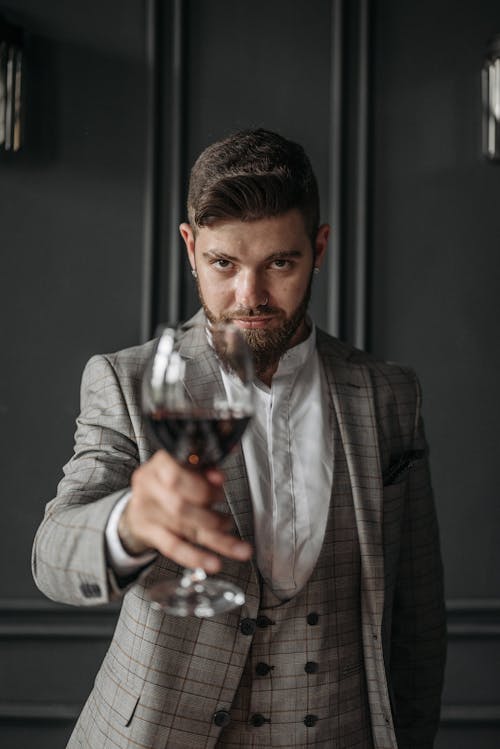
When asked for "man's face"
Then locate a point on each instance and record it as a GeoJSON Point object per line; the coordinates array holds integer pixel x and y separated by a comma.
{"type": "Point", "coordinates": [258, 275]}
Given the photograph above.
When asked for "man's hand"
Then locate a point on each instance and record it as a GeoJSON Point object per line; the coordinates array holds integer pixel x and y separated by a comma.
{"type": "Point", "coordinates": [169, 510]}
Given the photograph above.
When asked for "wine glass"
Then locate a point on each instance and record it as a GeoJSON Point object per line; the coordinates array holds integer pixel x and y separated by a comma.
{"type": "Point", "coordinates": [198, 425]}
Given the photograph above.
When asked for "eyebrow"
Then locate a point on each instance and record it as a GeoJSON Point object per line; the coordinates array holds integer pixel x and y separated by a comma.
{"type": "Point", "coordinates": [280, 255]}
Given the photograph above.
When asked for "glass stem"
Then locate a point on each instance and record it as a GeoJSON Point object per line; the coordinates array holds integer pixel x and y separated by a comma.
{"type": "Point", "coordinates": [190, 576]}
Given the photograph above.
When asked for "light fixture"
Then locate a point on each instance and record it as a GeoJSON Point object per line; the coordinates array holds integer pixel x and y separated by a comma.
{"type": "Point", "coordinates": [491, 100]}
{"type": "Point", "coordinates": [11, 63]}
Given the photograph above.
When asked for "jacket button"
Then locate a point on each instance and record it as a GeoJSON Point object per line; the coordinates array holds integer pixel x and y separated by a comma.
{"type": "Point", "coordinates": [263, 621]}
{"type": "Point", "coordinates": [312, 618]}
{"type": "Point", "coordinates": [90, 590]}
{"type": "Point", "coordinates": [310, 720]}
{"type": "Point", "coordinates": [247, 626]}
{"type": "Point", "coordinates": [222, 718]}
{"type": "Point", "coordinates": [262, 669]}
{"type": "Point", "coordinates": [258, 720]}
{"type": "Point", "coordinates": [311, 667]}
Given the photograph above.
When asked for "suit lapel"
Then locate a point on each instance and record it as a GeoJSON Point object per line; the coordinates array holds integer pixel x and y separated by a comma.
{"type": "Point", "coordinates": [352, 396]}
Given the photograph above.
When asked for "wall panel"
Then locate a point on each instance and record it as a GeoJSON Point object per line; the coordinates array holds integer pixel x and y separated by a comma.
{"type": "Point", "coordinates": [71, 243]}
{"type": "Point", "coordinates": [117, 111]}
{"type": "Point", "coordinates": [434, 305]}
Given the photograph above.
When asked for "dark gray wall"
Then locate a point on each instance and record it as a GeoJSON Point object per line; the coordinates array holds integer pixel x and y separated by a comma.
{"type": "Point", "coordinates": [259, 64]}
{"type": "Point", "coordinates": [82, 207]}
{"type": "Point", "coordinates": [71, 234]}
{"type": "Point", "coordinates": [435, 234]}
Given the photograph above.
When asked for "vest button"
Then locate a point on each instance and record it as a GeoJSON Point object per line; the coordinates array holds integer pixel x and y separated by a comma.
{"type": "Point", "coordinates": [262, 669]}
{"type": "Point", "coordinates": [247, 626]}
{"type": "Point", "coordinates": [258, 720]}
{"type": "Point", "coordinates": [310, 720]}
{"type": "Point", "coordinates": [311, 667]}
{"type": "Point", "coordinates": [263, 621]}
{"type": "Point", "coordinates": [312, 618]}
{"type": "Point", "coordinates": [222, 718]}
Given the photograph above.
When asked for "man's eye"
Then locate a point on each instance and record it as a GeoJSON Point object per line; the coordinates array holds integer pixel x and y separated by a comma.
{"type": "Point", "coordinates": [281, 263]}
{"type": "Point", "coordinates": [221, 263]}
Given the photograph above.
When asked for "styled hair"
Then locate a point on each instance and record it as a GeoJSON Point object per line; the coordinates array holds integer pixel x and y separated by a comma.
{"type": "Point", "coordinates": [252, 174]}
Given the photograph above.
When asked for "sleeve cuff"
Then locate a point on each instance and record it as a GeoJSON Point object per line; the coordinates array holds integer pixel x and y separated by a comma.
{"type": "Point", "coordinates": [122, 563]}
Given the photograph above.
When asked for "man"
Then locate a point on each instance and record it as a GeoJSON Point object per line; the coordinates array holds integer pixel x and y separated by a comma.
{"type": "Point", "coordinates": [341, 640]}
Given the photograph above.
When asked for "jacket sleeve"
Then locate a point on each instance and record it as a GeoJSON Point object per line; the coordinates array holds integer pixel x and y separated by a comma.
{"type": "Point", "coordinates": [69, 552]}
{"type": "Point", "coordinates": [418, 645]}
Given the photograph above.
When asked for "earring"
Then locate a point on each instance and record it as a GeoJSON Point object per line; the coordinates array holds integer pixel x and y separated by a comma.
{"type": "Point", "coordinates": [316, 270]}
{"type": "Point", "coordinates": [194, 273]}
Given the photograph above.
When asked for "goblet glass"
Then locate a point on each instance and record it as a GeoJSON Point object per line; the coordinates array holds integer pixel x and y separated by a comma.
{"type": "Point", "coordinates": [198, 424]}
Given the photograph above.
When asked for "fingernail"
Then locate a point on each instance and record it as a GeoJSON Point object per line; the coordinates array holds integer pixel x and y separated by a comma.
{"type": "Point", "coordinates": [242, 550]}
{"type": "Point", "coordinates": [211, 565]}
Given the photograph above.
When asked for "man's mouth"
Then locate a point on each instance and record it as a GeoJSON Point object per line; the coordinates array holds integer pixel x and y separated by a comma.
{"type": "Point", "coordinates": [254, 322]}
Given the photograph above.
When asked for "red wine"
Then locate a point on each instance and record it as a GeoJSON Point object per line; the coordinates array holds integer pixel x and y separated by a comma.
{"type": "Point", "coordinates": [200, 440]}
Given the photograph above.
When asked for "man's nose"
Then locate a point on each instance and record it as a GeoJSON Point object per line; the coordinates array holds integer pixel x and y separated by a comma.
{"type": "Point", "coordinates": [250, 291]}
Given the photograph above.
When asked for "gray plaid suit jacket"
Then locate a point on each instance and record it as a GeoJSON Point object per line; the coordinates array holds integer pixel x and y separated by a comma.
{"type": "Point", "coordinates": [163, 677]}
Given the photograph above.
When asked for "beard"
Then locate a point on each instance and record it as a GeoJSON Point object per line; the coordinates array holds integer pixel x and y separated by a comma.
{"type": "Point", "coordinates": [267, 346]}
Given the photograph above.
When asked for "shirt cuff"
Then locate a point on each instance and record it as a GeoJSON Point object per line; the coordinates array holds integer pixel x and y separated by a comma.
{"type": "Point", "coordinates": [120, 560]}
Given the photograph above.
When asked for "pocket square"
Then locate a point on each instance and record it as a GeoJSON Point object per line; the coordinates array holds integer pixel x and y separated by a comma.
{"type": "Point", "coordinates": [401, 466]}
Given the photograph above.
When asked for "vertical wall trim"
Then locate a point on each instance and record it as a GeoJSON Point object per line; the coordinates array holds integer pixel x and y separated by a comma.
{"type": "Point", "coordinates": [361, 196]}
{"type": "Point", "coordinates": [174, 187]}
{"type": "Point", "coordinates": [151, 167]}
{"type": "Point", "coordinates": [335, 166]}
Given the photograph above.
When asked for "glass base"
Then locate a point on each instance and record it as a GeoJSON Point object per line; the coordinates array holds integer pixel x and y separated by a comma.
{"type": "Point", "coordinates": [195, 594]}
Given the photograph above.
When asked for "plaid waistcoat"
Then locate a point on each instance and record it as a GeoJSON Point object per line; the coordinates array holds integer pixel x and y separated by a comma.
{"type": "Point", "coordinates": [304, 680]}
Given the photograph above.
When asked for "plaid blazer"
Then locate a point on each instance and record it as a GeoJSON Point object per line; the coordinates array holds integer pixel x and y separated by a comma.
{"type": "Point", "coordinates": [164, 677]}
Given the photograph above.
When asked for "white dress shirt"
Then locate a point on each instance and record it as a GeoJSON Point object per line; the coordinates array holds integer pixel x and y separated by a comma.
{"type": "Point", "coordinates": [288, 449]}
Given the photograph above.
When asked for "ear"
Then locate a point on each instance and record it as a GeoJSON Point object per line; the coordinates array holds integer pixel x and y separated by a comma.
{"type": "Point", "coordinates": [188, 237]}
{"type": "Point", "coordinates": [320, 244]}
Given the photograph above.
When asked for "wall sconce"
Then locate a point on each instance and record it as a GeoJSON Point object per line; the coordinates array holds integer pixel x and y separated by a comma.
{"type": "Point", "coordinates": [491, 100]}
{"type": "Point", "coordinates": [11, 66]}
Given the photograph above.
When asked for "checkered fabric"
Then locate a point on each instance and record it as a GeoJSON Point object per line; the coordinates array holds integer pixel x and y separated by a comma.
{"type": "Point", "coordinates": [304, 681]}
{"type": "Point", "coordinates": [169, 682]}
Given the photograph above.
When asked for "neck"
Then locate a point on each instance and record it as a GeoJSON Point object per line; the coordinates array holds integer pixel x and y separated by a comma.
{"type": "Point", "coordinates": [266, 375]}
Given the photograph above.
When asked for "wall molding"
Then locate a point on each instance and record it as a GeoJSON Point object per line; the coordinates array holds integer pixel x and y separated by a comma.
{"type": "Point", "coordinates": [44, 605]}
{"type": "Point", "coordinates": [474, 605]}
{"type": "Point", "coordinates": [41, 619]}
{"type": "Point", "coordinates": [150, 207]}
{"type": "Point", "coordinates": [360, 238]}
{"type": "Point", "coordinates": [473, 715]}
{"type": "Point", "coordinates": [174, 188]}
{"type": "Point", "coordinates": [463, 715]}
{"type": "Point", "coordinates": [37, 711]}
{"type": "Point", "coordinates": [473, 618]}
{"type": "Point", "coordinates": [350, 110]}
{"type": "Point", "coordinates": [33, 618]}
{"type": "Point", "coordinates": [337, 95]}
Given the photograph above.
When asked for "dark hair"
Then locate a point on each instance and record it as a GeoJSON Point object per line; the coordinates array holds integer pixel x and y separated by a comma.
{"type": "Point", "coordinates": [252, 174]}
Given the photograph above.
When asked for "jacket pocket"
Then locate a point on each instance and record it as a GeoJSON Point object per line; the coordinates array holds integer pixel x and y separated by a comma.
{"type": "Point", "coordinates": [117, 697]}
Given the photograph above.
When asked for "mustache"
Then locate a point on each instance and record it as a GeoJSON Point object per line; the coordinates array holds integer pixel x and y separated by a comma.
{"type": "Point", "coordinates": [262, 309]}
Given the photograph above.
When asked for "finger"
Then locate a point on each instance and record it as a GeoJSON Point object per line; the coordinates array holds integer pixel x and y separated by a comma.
{"type": "Point", "coordinates": [175, 513]}
{"type": "Point", "coordinates": [191, 522]}
{"type": "Point", "coordinates": [184, 553]}
{"type": "Point", "coordinates": [165, 482]}
{"type": "Point", "coordinates": [225, 544]}
{"type": "Point", "coordinates": [193, 486]}
{"type": "Point", "coordinates": [215, 476]}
